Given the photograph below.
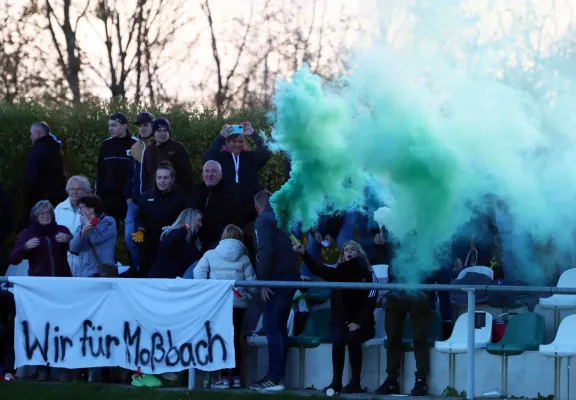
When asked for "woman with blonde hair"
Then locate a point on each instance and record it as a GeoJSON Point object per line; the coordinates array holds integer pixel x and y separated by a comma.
{"type": "Point", "coordinates": [179, 246]}
{"type": "Point", "coordinates": [352, 311]}
{"type": "Point", "coordinates": [229, 260]}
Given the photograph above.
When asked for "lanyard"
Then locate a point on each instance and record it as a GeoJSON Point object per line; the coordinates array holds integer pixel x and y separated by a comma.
{"type": "Point", "coordinates": [236, 159]}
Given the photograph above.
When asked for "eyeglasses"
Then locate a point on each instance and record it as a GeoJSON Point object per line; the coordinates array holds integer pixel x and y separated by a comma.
{"type": "Point", "coordinates": [76, 189]}
{"type": "Point", "coordinates": [44, 214]}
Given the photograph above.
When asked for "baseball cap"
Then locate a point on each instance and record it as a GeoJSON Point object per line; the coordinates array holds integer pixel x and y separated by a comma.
{"type": "Point", "coordinates": [119, 118]}
{"type": "Point", "coordinates": [161, 123]}
{"type": "Point", "coordinates": [144, 117]}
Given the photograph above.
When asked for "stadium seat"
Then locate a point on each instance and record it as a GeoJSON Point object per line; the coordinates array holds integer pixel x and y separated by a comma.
{"type": "Point", "coordinates": [434, 332]}
{"type": "Point", "coordinates": [458, 341]}
{"type": "Point", "coordinates": [477, 269]}
{"type": "Point", "coordinates": [559, 302]}
{"type": "Point", "coordinates": [524, 332]}
{"type": "Point", "coordinates": [563, 346]}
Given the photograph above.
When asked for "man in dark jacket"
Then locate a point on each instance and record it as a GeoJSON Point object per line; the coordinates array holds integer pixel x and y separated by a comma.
{"type": "Point", "coordinates": [114, 167]}
{"type": "Point", "coordinates": [45, 179]}
{"type": "Point", "coordinates": [275, 261]}
{"type": "Point", "coordinates": [166, 149]}
{"type": "Point", "coordinates": [217, 205]}
{"type": "Point", "coordinates": [6, 225]}
{"type": "Point", "coordinates": [133, 189]}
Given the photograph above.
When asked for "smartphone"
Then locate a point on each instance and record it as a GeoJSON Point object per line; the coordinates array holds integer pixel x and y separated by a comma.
{"type": "Point", "coordinates": [236, 130]}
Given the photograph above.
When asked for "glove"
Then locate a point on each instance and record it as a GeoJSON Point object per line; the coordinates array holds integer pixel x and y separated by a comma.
{"type": "Point", "coordinates": [138, 237]}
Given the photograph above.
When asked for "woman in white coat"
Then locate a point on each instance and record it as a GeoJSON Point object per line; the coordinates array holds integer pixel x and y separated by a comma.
{"type": "Point", "coordinates": [68, 213]}
{"type": "Point", "coordinates": [229, 260]}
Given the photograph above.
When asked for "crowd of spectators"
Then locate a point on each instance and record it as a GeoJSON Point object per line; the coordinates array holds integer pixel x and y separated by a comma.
{"type": "Point", "coordinates": [175, 227]}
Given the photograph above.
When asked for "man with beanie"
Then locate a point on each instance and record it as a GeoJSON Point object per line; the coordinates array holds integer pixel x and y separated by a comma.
{"type": "Point", "coordinates": [166, 149]}
{"type": "Point", "coordinates": [133, 188]}
{"type": "Point", "coordinates": [114, 167]}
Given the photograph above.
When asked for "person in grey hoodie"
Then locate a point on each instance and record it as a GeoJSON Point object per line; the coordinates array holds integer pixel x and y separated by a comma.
{"type": "Point", "coordinates": [95, 228]}
{"type": "Point", "coordinates": [229, 260]}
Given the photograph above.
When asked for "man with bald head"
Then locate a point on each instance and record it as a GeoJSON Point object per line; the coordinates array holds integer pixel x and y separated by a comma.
{"type": "Point", "coordinates": [45, 179]}
{"type": "Point", "coordinates": [217, 204]}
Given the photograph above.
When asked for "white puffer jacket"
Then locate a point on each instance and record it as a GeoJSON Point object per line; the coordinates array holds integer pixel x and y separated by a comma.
{"type": "Point", "coordinates": [65, 215]}
{"type": "Point", "coordinates": [227, 261]}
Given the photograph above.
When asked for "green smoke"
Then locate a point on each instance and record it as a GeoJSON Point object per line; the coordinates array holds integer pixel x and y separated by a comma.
{"type": "Point", "coordinates": [445, 136]}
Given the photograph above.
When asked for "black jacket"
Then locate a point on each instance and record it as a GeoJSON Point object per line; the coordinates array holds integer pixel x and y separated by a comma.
{"type": "Point", "coordinates": [177, 155]}
{"type": "Point", "coordinates": [45, 179]}
{"type": "Point", "coordinates": [349, 306]}
{"type": "Point", "coordinates": [114, 165]}
{"type": "Point", "coordinates": [275, 259]}
{"type": "Point", "coordinates": [219, 209]}
{"type": "Point", "coordinates": [7, 315]}
{"type": "Point", "coordinates": [157, 209]}
{"type": "Point", "coordinates": [6, 218]}
{"type": "Point", "coordinates": [175, 255]}
{"type": "Point", "coordinates": [251, 162]}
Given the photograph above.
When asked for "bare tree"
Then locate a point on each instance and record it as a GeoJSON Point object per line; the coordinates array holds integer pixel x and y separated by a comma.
{"type": "Point", "coordinates": [61, 22]}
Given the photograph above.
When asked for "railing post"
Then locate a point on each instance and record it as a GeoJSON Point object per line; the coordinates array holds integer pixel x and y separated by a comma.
{"type": "Point", "coordinates": [471, 344]}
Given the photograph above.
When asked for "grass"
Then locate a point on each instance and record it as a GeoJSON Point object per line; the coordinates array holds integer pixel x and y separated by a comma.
{"type": "Point", "coordinates": [82, 391]}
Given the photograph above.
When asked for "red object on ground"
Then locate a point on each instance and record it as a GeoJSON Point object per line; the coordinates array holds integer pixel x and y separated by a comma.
{"type": "Point", "coordinates": [498, 329]}
{"type": "Point", "coordinates": [94, 221]}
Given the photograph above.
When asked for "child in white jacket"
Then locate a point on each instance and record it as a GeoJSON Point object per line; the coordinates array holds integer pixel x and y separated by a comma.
{"type": "Point", "coordinates": [229, 260]}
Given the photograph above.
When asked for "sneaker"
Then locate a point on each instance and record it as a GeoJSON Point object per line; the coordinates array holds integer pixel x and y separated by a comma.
{"type": "Point", "coordinates": [390, 386]}
{"type": "Point", "coordinates": [352, 388]}
{"type": "Point", "coordinates": [268, 385]}
{"type": "Point", "coordinates": [236, 383]}
{"type": "Point", "coordinates": [420, 387]}
{"type": "Point", "coordinates": [221, 384]}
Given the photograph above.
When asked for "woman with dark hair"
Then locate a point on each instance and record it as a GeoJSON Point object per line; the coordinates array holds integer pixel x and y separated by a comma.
{"type": "Point", "coordinates": [95, 238]}
{"type": "Point", "coordinates": [44, 243]}
{"type": "Point", "coordinates": [179, 246]}
{"type": "Point", "coordinates": [157, 208]}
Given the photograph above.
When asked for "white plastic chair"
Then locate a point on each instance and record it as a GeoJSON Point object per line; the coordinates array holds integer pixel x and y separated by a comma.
{"type": "Point", "coordinates": [563, 346]}
{"type": "Point", "coordinates": [477, 269]}
{"type": "Point", "coordinates": [458, 341]}
{"type": "Point", "coordinates": [559, 302]}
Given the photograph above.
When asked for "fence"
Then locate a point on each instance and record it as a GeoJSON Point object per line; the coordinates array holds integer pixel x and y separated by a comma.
{"type": "Point", "coordinates": [472, 290]}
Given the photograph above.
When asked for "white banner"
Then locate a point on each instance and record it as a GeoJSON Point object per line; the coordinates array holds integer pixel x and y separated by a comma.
{"type": "Point", "coordinates": [159, 325]}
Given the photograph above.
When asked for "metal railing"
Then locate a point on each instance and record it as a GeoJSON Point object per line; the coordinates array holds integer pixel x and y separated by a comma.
{"type": "Point", "coordinates": [472, 290]}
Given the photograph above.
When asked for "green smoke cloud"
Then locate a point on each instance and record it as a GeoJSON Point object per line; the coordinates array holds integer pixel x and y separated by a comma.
{"type": "Point", "coordinates": [444, 137]}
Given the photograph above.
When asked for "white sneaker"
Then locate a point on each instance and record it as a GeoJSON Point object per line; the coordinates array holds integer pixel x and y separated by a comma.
{"type": "Point", "coordinates": [268, 385]}
{"type": "Point", "coordinates": [221, 384]}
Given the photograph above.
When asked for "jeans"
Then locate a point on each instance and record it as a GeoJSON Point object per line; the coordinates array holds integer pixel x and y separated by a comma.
{"type": "Point", "coordinates": [345, 234]}
{"type": "Point", "coordinates": [189, 274]}
{"type": "Point", "coordinates": [275, 324]}
{"type": "Point", "coordinates": [129, 229]}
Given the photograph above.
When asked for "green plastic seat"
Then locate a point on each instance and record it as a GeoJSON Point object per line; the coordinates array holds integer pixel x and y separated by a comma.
{"type": "Point", "coordinates": [316, 298]}
{"type": "Point", "coordinates": [524, 332]}
{"type": "Point", "coordinates": [434, 332]}
{"type": "Point", "coordinates": [316, 331]}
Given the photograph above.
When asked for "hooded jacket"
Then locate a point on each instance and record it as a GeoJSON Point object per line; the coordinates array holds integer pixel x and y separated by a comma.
{"type": "Point", "coordinates": [69, 217]}
{"type": "Point", "coordinates": [249, 164]}
{"type": "Point", "coordinates": [103, 237]}
{"type": "Point", "coordinates": [349, 306]}
{"type": "Point", "coordinates": [275, 259]}
{"type": "Point", "coordinates": [114, 165]}
{"type": "Point", "coordinates": [175, 254]}
{"type": "Point", "coordinates": [134, 184]}
{"type": "Point", "coordinates": [50, 258]}
{"type": "Point", "coordinates": [229, 260]}
{"type": "Point", "coordinates": [45, 179]}
{"type": "Point", "coordinates": [177, 155]}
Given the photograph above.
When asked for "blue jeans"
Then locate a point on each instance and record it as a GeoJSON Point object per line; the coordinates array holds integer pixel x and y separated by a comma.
{"type": "Point", "coordinates": [129, 229]}
{"type": "Point", "coordinates": [345, 234]}
{"type": "Point", "coordinates": [275, 324]}
{"type": "Point", "coordinates": [189, 274]}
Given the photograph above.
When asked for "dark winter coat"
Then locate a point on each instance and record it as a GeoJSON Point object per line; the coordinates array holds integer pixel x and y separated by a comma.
{"type": "Point", "coordinates": [50, 258]}
{"type": "Point", "coordinates": [177, 155]}
{"type": "Point", "coordinates": [114, 166]}
{"type": "Point", "coordinates": [157, 209]}
{"type": "Point", "coordinates": [175, 255]}
{"type": "Point", "coordinates": [45, 179]}
{"type": "Point", "coordinates": [134, 185]}
{"type": "Point", "coordinates": [219, 209]}
{"type": "Point", "coordinates": [275, 259]}
{"type": "Point", "coordinates": [251, 162]}
{"type": "Point", "coordinates": [349, 306]}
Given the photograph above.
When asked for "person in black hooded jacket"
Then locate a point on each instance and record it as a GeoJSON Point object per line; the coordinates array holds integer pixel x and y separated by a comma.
{"type": "Point", "coordinates": [352, 311]}
{"type": "Point", "coordinates": [157, 209]}
{"type": "Point", "coordinates": [45, 178]}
